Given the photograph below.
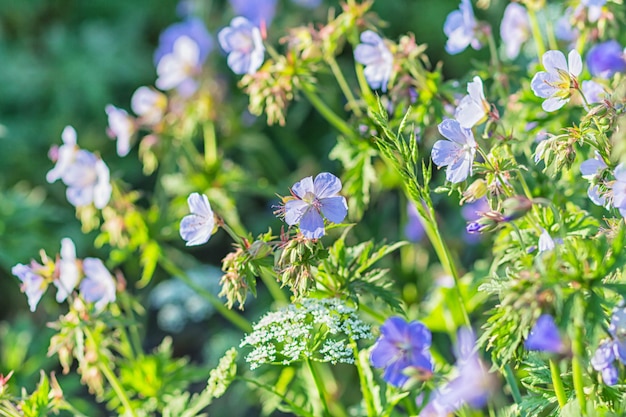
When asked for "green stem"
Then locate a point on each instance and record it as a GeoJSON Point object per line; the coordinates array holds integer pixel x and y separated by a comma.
{"type": "Point", "coordinates": [558, 384]}
{"type": "Point", "coordinates": [210, 143]}
{"type": "Point", "coordinates": [577, 369]}
{"type": "Point", "coordinates": [512, 382]}
{"type": "Point", "coordinates": [228, 314]}
{"type": "Point", "coordinates": [366, 91]}
{"type": "Point", "coordinates": [326, 111]}
{"type": "Point", "coordinates": [343, 84]}
{"type": "Point", "coordinates": [135, 340]}
{"type": "Point", "coordinates": [495, 63]}
{"type": "Point", "coordinates": [320, 387]}
{"type": "Point", "coordinates": [368, 398]}
{"type": "Point", "coordinates": [294, 407]}
{"type": "Point", "coordinates": [536, 31]}
{"type": "Point", "coordinates": [379, 317]}
{"type": "Point", "coordinates": [269, 279]}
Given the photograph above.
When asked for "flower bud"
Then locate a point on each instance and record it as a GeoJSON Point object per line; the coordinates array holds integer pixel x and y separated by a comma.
{"type": "Point", "coordinates": [476, 191]}
{"type": "Point", "coordinates": [515, 207]}
{"type": "Point", "coordinates": [259, 249]}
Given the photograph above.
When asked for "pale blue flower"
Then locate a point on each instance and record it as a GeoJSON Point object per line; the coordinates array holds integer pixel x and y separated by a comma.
{"type": "Point", "coordinates": [545, 336]}
{"type": "Point", "coordinates": [460, 27]}
{"type": "Point", "coordinates": [121, 127]}
{"type": "Point", "coordinates": [149, 104]}
{"type": "Point", "coordinates": [591, 169]}
{"type": "Point", "coordinates": [256, 11]}
{"type": "Point", "coordinates": [546, 243]}
{"type": "Point", "coordinates": [88, 181]}
{"type": "Point", "coordinates": [196, 228]}
{"type": "Point", "coordinates": [603, 361]}
{"type": "Point", "coordinates": [594, 92]}
{"type": "Point", "coordinates": [457, 153]}
{"type": "Point", "coordinates": [378, 60]}
{"type": "Point", "coordinates": [192, 28]}
{"type": "Point", "coordinates": [594, 9]}
{"type": "Point", "coordinates": [97, 286]}
{"type": "Point", "coordinates": [243, 43]}
{"type": "Point", "coordinates": [555, 83]}
{"type": "Point", "coordinates": [564, 30]}
{"type": "Point", "coordinates": [473, 108]}
{"type": "Point", "coordinates": [619, 189]}
{"type": "Point", "coordinates": [68, 271]}
{"type": "Point", "coordinates": [514, 29]}
{"type": "Point", "coordinates": [63, 155]}
{"type": "Point", "coordinates": [178, 68]}
{"type": "Point", "coordinates": [617, 328]}
{"type": "Point", "coordinates": [606, 59]}
{"type": "Point", "coordinates": [414, 229]}
{"type": "Point", "coordinates": [312, 199]}
{"type": "Point", "coordinates": [33, 284]}
{"type": "Point", "coordinates": [402, 346]}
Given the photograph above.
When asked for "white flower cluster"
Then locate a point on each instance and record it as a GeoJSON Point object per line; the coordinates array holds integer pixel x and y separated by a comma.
{"type": "Point", "coordinates": [319, 329]}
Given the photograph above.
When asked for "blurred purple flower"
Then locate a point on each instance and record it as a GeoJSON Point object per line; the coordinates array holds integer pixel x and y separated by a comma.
{"type": "Point", "coordinates": [196, 228]}
{"type": "Point", "coordinates": [177, 69]}
{"type": "Point", "coordinates": [617, 328]}
{"type": "Point", "coordinates": [33, 284]}
{"type": "Point", "coordinates": [594, 92]}
{"type": "Point", "coordinates": [564, 30]}
{"type": "Point", "coordinates": [414, 229]}
{"type": "Point", "coordinates": [243, 43]}
{"type": "Point", "coordinates": [619, 189]}
{"type": "Point", "coordinates": [68, 270]}
{"type": "Point", "coordinates": [514, 29]}
{"type": "Point", "coordinates": [594, 8]}
{"type": "Point", "coordinates": [546, 243]}
{"type": "Point", "coordinates": [149, 104]}
{"type": "Point", "coordinates": [98, 286]}
{"type": "Point", "coordinates": [121, 127]}
{"type": "Point", "coordinates": [460, 27]}
{"type": "Point", "coordinates": [472, 211]}
{"type": "Point", "coordinates": [555, 83]}
{"type": "Point", "coordinates": [472, 386]}
{"type": "Point", "coordinates": [606, 58]}
{"type": "Point", "coordinates": [311, 199]}
{"type": "Point", "coordinates": [402, 346]}
{"type": "Point", "coordinates": [256, 11]}
{"type": "Point", "coordinates": [378, 60]}
{"type": "Point", "coordinates": [457, 153]}
{"type": "Point", "coordinates": [590, 169]}
{"type": "Point", "coordinates": [545, 336]}
{"type": "Point", "coordinates": [194, 29]}
{"type": "Point", "coordinates": [473, 108]}
{"type": "Point", "coordinates": [603, 362]}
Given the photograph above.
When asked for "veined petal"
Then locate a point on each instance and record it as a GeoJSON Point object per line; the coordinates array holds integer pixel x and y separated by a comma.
{"type": "Point", "coordinates": [312, 224]}
{"type": "Point", "coordinates": [199, 204]}
{"type": "Point", "coordinates": [334, 209]}
{"type": "Point", "coordinates": [553, 61]}
{"type": "Point", "coordinates": [419, 335]}
{"type": "Point", "coordinates": [620, 172]}
{"type": "Point", "coordinates": [303, 186]}
{"type": "Point", "coordinates": [395, 329]}
{"type": "Point", "coordinates": [590, 167]}
{"type": "Point", "coordinates": [294, 210]}
{"type": "Point", "coordinates": [574, 63]}
{"type": "Point", "coordinates": [444, 152]}
{"type": "Point", "coordinates": [469, 112]}
{"type": "Point", "coordinates": [195, 230]}
{"type": "Point", "coordinates": [541, 84]}
{"type": "Point", "coordinates": [475, 89]}
{"type": "Point", "coordinates": [326, 185]}
{"type": "Point", "coordinates": [461, 168]}
{"type": "Point", "coordinates": [452, 130]}
{"type": "Point", "coordinates": [383, 353]}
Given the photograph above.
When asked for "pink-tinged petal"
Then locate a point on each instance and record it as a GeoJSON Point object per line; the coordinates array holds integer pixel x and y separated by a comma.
{"type": "Point", "coordinates": [553, 61]}
{"type": "Point", "coordinates": [554, 103]}
{"type": "Point", "coordinates": [294, 210]}
{"type": "Point", "coordinates": [574, 63]}
{"type": "Point", "coordinates": [334, 209]}
{"type": "Point", "coordinates": [326, 185]}
{"type": "Point", "coordinates": [199, 204]}
{"type": "Point", "coordinates": [312, 224]}
{"type": "Point", "coordinates": [383, 353]}
{"type": "Point", "coordinates": [303, 186]}
{"type": "Point", "coordinates": [444, 152]}
{"type": "Point", "coordinates": [469, 112]}
{"type": "Point", "coordinates": [620, 172]}
{"type": "Point", "coordinates": [541, 84]}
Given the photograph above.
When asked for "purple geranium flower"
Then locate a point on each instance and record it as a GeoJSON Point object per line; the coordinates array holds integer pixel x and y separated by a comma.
{"type": "Point", "coordinates": [555, 83]}
{"type": "Point", "coordinates": [619, 189]}
{"type": "Point", "coordinates": [256, 11]}
{"type": "Point", "coordinates": [591, 169]}
{"type": "Point", "coordinates": [594, 92]}
{"type": "Point", "coordinates": [514, 29]}
{"type": "Point", "coordinates": [196, 228]}
{"type": "Point", "coordinates": [402, 346]}
{"type": "Point", "coordinates": [378, 60]}
{"type": "Point", "coordinates": [98, 286]}
{"type": "Point", "coordinates": [33, 284]}
{"type": "Point", "coordinates": [194, 29]}
{"type": "Point", "coordinates": [311, 199]}
{"type": "Point", "coordinates": [606, 58]}
{"type": "Point", "coordinates": [68, 272]}
{"type": "Point", "coordinates": [457, 153]}
{"type": "Point", "coordinates": [473, 108]}
{"type": "Point", "coordinates": [545, 336]}
{"type": "Point", "coordinates": [121, 127]}
{"type": "Point", "coordinates": [243, 43]}
{"type": "Point", "coordinates": [472, 386]}
{"type": "Point", "coordinates": [460, 27]}
{"type": "Point", "coordinates": [603, 361]}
